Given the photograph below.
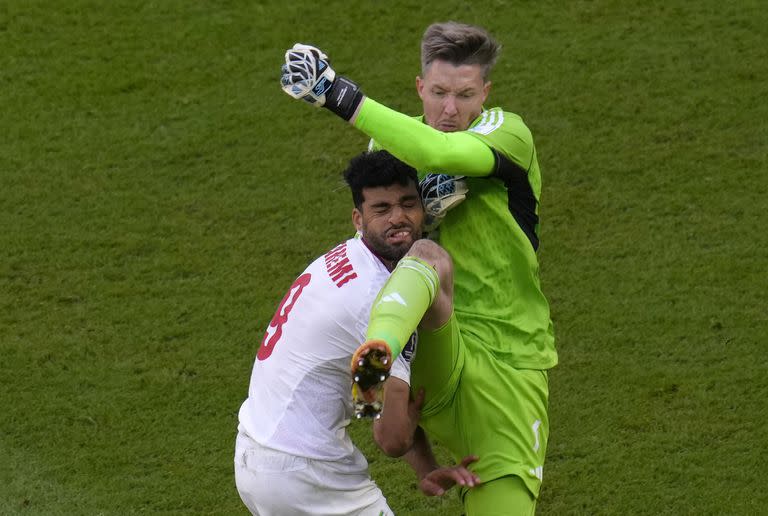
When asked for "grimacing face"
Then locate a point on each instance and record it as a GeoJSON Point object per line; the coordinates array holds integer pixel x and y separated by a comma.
{"type": "Point", "coordinates": [390, 219]}
{"type": "Point", "coordinates": [452, 96]}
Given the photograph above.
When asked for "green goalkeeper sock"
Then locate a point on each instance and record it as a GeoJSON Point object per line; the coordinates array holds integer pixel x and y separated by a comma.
{"type": "Point", "coordinates": [402, 302]}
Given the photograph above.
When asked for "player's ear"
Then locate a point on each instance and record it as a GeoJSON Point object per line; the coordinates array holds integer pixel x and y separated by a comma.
{"type": "Point", "coordinates": [420, 86]}
{"type": "Point", "coordinates": [486, 90]}
{"type": "Point", "coordinates": [357, 219]}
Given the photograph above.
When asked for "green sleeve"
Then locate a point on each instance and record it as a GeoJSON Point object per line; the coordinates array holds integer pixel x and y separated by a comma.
{"type": "Point", "coordinates": [423, 147]}
{"type": "Point", "coordinates": [507, 133]}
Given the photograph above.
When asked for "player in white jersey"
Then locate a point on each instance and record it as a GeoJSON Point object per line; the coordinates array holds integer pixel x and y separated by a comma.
{"type": "Point", "coordinates": [293, 453]}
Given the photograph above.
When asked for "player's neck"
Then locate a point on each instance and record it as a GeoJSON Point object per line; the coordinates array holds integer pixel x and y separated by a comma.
{"type": "Point", "coordinates": [389, 264]}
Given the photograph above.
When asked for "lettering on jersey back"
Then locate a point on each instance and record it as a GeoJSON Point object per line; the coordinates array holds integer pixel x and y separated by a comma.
{"type": "Point", "coordinates": [338, 265]}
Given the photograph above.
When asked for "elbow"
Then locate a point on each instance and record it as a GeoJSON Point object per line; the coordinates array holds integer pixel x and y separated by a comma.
{"type": "Point", "coordinates": [392, 444]}
{"type": "Point", "coordinates": [393, 448]}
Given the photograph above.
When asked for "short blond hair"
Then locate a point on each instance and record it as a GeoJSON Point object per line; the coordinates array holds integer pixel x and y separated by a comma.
{"type": "Point", "coordinates": [459, 44]}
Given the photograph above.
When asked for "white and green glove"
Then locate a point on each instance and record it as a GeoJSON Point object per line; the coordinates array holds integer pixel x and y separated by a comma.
{"type": "Point", "coordinates": [307, 75]}
{"type": "Point", "coordinates": [439, 194]}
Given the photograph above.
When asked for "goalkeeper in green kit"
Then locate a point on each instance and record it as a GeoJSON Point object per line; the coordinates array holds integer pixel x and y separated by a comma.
{"type": "Point", "coordinates": [487, 341]}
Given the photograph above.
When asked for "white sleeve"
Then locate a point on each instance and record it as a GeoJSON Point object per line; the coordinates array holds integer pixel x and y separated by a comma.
{"type": "Point", "coordinates": [401, 369]}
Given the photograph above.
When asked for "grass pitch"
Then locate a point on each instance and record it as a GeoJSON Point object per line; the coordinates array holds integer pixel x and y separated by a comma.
{"type": "Point", "coordinates": [158, 193]}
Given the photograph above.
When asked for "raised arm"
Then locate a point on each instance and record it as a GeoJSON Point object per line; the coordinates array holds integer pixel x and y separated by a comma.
{"type": "Point", "coordinates": [308, 75]}
{"type": "Point", "coordinates": [421, 146]}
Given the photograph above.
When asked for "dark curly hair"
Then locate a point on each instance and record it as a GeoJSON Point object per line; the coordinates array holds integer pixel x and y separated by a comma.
{"type": "Point", "coordinates": [377, 168]}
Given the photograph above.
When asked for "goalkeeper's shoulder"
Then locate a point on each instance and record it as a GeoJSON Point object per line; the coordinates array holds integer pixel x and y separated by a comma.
{"type": "Point", "coordinates": [504, 131]}
{"type": "Point", "coordinates": [498, 121]}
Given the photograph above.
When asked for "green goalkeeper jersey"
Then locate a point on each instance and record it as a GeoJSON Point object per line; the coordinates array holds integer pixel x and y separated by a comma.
{"type": "Point", "coordinates": [492, 236]}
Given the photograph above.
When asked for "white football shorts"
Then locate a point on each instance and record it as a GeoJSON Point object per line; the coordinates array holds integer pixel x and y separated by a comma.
{"type": "Point", "coordinates": [273, 483]}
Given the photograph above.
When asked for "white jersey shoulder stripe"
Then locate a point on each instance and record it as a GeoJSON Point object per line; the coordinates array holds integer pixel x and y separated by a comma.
{"type": "Point", "coordinates": [489, 121]}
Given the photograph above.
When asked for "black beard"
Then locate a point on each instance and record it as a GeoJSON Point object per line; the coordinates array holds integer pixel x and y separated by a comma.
{"type": "Point", "coordinates": [386, 251]}
{"type": "Point", "coordinates": [389, 252]}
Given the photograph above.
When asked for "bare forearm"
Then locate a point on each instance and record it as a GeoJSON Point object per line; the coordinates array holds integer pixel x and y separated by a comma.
{"type": "Point", "coordinates": [420, 456]}
{"type": "Point", "coordinates": [394, 430]}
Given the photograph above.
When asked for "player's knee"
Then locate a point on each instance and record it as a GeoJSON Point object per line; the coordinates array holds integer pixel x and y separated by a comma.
{"type": "Point", "coordinates": [436, 256]}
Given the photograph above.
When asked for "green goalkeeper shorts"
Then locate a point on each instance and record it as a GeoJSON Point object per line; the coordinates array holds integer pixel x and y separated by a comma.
{"type": "Point", "coordinates": [478, 404]}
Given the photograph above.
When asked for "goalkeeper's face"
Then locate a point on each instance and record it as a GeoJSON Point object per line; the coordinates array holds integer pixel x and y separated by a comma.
{"type": "Point", "coordinates": [390, 219]}
{"type": "Point", "coordinates": [452, 96]}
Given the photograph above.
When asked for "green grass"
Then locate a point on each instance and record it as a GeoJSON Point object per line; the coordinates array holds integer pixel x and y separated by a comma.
{"type": "Point", "coordinates": [158, 193]}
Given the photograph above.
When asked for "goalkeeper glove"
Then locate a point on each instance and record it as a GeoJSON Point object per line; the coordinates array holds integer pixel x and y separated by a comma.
{"type": "Point", "coordinates": [307, 75]}
{"type": "Point", "coordinates": [439, 194]}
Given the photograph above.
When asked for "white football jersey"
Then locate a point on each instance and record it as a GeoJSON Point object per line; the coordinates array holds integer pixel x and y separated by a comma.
{"type": "Point", "coordinates": [299, 400]}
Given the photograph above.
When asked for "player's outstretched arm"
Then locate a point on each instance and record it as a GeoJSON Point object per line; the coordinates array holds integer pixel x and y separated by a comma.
{"type": "Point", "coordinates": [308, 75]}
{"type": "Point", "coordinates": [423, 147]}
